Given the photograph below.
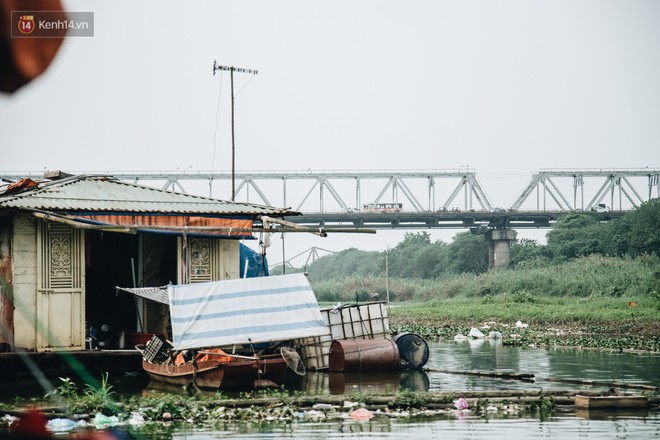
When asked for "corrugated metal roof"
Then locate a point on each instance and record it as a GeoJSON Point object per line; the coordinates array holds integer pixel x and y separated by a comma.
{"type": "Point", "coordinates": [101, 194]}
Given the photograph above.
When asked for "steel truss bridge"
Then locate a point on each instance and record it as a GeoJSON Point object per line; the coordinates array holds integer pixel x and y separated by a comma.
{"type": "Point", "coordinates": [452, 198]}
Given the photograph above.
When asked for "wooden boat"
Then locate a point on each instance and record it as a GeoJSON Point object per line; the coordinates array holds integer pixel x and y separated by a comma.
{"type": "Point", "coordinates": [257, 315]}
{"type": "Point", "coordinates": [215, 374]}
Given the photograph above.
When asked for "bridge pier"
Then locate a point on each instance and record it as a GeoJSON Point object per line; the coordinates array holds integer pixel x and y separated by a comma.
{"type": "Point", "coordinates": [499, 241]}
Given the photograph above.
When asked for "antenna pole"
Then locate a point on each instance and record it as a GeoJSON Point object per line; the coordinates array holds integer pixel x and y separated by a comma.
{"type": "Point", "coordinates": [233, 144]}
{"type": "Point", "coordinates": [231, 70]}
{"type": "Point", "coordinates": [387, 275]}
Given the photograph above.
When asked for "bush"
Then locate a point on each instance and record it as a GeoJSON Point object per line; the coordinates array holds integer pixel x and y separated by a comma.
{"type": "Point", "coordinates": [583, 277]}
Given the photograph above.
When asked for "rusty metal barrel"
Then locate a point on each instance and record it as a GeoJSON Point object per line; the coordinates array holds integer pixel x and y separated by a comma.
{"type": "Point", "coordinates": [364, 355]}
{"type": "Point", "coordinates": [413, 350]}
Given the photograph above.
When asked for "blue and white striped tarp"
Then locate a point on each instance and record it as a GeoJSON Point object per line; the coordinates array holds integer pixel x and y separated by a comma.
{"type": "Point", "coordinates": [241, 311]}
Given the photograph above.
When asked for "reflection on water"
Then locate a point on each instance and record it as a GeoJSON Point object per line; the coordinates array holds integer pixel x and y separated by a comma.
{"type": "Point", "coordinates": [319, 383]}
{"type": "Point", "coordinates": [545, 364]}
{"type": "Point", "coordinates": [479, 355]}
{"type": "Point", "coordinates": [558, 428]}
{"type": "Point", "coordinates": [606, 414]}
{"type": "Point", "coordinates": [548, 366]}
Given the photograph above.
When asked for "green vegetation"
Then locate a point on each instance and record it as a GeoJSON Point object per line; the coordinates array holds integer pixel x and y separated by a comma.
{"type": "Point", "coordinates": [98, 398]}
{"type": "Point", "coordinates": [583, 257]}
{"type": "Point", "coordinates": [581, 322]}
{"type": "Point", "coordinates": [575, 235]}
{"type": "Point", "coordinates": [591, 277]}
{"type": "Point", "coordinates": [152, 413]}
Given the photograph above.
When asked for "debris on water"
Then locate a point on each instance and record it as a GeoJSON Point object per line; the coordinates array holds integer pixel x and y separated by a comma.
{"type": "Point", "coordinates": [399, 414]}
{"type": "Point", "coordinates": [9, 419]}
{"type": "Point", "coordinates": [520, 324]}
{"type": "Point", "coordinates": [495, 335]}
{"type": "Point", "coordinates": [475, 333]}
{"type": "Point", "coordinates": [460, 337]}
{"type": "Point", "coordinates": [361, 414]}
{"type": "Point", "coordinates": [323, 406]}
{"type": "Point", "coordinates": [461, 403]}
{"type": "Point", "coordinates": [349, 404]}
{"type": "Point", "coordinates": [101, 421]}
{"type": "Point", "coordinates": [60, 425]}
{"type": "Point", "coordinates": [136, 419]}
{"type": "Point", "coordinates": [314, 415]}
{"type": "Point", "coordinates": [491, 409]}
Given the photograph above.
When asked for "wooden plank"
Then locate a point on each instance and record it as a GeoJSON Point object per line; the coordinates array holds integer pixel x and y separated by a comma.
{"type": "Point", "coordinates": [594, 402]}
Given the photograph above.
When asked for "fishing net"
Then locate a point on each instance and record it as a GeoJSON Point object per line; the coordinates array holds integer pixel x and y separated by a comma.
{"type": "Point", "coordinates": [293, 360]}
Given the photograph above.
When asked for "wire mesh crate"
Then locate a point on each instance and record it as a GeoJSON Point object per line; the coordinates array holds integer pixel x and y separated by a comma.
{"type": "Point", "coordinates": [156, 350]}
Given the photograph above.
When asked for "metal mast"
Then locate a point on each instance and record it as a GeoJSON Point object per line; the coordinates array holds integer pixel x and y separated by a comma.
{"type": "Point", "coordinates": [231, 70]}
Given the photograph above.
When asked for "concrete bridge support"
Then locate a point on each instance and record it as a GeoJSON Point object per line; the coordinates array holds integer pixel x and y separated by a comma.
{"type": "Point", "coordinates": [499, 247]}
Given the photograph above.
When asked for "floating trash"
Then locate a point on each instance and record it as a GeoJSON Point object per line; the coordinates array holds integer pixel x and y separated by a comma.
{"type": "Point", "coordinates": [60, 425]}
{"type": "Point", "coordinates": [136, 419]}
{"type": "Point", "coordinates": [461, 404]}
{"type": "Point", "coordinates": [100, 421]}
{"type": "Point", "coordinates": [361, 414]}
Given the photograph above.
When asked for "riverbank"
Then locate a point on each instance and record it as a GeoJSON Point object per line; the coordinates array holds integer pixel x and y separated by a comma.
{"type": "Point", "coordinates": [148, 412]}
{"type": "Point", "coordinates": [593, 322]}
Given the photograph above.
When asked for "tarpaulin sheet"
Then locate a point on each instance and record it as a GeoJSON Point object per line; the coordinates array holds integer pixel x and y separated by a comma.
{"type": "Point", "coordinates": [253, 264]}
{"type": "Point", "coordinates": [242, 311]}
{"type": "Point", "coordinates": [158, 294]}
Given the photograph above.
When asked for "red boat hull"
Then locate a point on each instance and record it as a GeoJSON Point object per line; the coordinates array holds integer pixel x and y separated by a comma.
{"type": "Point", "coordinates": [213, 374]}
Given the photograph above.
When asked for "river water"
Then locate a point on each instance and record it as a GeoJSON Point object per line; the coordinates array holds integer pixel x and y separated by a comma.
{"type": "Point", "coordinates": [552, 368]}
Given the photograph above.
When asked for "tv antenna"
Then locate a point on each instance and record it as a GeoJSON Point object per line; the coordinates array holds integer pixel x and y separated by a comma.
{"type": "Point", "coordinates": [231, 70]}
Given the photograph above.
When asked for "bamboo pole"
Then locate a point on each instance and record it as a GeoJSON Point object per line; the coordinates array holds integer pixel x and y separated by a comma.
{"type": "Point", "coordinates": [496, 374]}
{"type": "Point", "coordinates": [266, 219]}
{"type": "Point", "coordinates": [237, 356]}
{"type": "Point", "coordinates": [81, 225]}
{"type": "Point", "coordinates": [443, 399]}
{"type": "Point", "coordinates": [602, 383]}
{"type": "Point", "coordinates": [530, 377]}
{"type": "Point", "coordinates": [133, 229]}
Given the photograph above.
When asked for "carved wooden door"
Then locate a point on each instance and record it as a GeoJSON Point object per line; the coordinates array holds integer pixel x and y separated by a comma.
{"type": "Point", "coordinates": [203, 259]}
{"type": "Point", "coordinates": [60, 316]}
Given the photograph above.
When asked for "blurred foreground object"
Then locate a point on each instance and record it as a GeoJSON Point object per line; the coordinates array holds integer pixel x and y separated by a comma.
{"type": "Point", "coordinates": [23, 59]}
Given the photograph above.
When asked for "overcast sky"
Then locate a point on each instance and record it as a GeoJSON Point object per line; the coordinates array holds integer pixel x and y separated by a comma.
{"type": "Point", "coordinates": [506, 87]}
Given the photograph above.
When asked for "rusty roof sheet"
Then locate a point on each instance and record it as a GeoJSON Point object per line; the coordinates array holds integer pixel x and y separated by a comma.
{"type": "Point", "coordinates": [103, 194]}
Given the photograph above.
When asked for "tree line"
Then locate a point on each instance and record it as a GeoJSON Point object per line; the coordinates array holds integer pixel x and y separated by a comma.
{"type": "Point", "coordinates": [573, 236]}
